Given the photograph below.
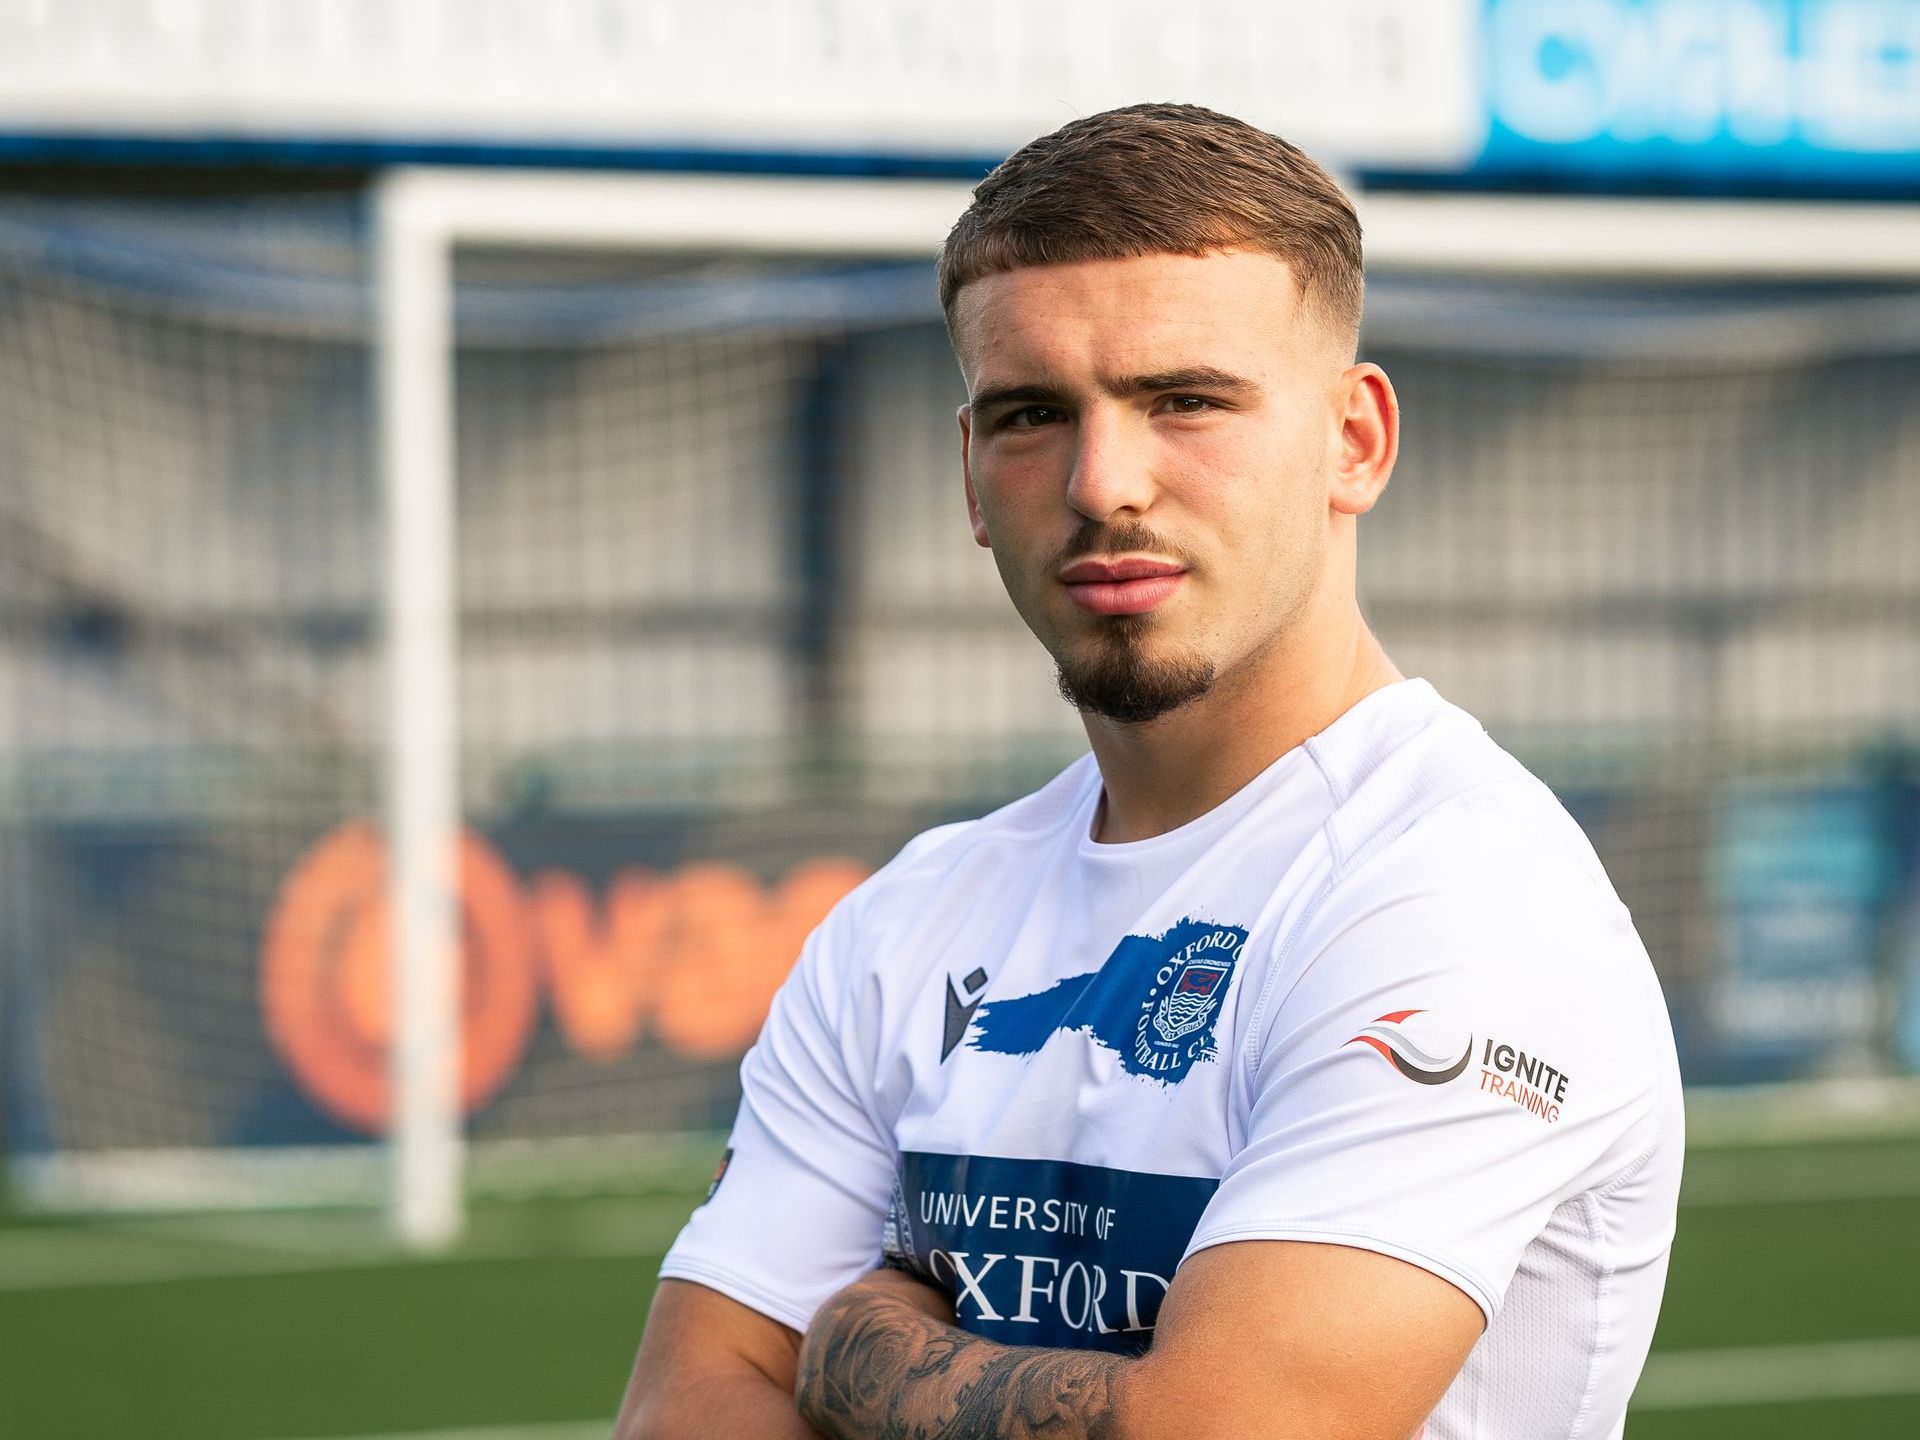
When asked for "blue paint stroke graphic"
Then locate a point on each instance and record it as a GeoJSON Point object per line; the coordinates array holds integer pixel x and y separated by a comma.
{"type": "Point", "coordinates": [1153, 1003]}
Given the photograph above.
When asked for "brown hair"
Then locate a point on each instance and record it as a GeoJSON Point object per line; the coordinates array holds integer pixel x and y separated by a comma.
{"type": "Point", "coordinates": [1161, 180]}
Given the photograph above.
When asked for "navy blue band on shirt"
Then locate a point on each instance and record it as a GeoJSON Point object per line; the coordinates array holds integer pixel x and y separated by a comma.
{"type": "Point", "coordinates": [1045, 1252]}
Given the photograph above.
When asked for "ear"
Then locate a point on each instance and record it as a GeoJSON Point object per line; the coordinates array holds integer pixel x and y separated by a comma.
{"type": "Point", "coordinates": [965, 416]}
{"type": "Point", "coordinates": [1367, 441]}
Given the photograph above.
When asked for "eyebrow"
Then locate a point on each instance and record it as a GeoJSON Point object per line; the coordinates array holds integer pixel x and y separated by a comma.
{"type": "Point", "coordinates": [1017, 395]}
{"type": "Point", "coordinates": [1190, 377]}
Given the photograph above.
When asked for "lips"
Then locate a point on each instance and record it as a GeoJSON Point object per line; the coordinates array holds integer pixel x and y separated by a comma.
{"type": "Point", "coordinates": [1131, 585]}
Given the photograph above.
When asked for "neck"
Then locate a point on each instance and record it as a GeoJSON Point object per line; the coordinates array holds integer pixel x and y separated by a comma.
{"type": "Point", "coordinates": [1166, 772]}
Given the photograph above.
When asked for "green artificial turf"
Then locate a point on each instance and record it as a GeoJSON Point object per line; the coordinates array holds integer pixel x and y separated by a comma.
{"type": "Point", "coordinates": [268, 1327]}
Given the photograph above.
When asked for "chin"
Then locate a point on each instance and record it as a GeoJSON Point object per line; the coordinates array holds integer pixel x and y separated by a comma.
{"type": "Point", "coordinates": [1121, 679]}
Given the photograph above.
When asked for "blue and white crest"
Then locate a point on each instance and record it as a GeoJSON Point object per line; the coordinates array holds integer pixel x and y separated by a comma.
{"type": "Point", "coordinates": [1174, 1026]}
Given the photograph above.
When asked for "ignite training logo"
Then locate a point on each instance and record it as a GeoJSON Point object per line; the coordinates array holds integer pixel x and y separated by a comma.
{"type": "Point", "coordinates": [1511, 1073]}
{"type": "Point", "coordinates": [1527, 1080]}
{"type": "Point", "coordinates": [1407, 1055]}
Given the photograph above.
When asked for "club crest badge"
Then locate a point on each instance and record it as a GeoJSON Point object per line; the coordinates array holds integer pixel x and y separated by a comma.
{"type": "Point", "coordinates": [1174, 1027]}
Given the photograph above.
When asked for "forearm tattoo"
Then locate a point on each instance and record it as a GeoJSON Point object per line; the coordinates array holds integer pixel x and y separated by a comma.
{"type": "Point", "coordinates": [875, 1368]}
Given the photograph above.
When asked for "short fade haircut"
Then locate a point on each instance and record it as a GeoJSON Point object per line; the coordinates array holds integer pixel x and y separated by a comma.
{"type": "Point", "coordinates": [1161, 180]}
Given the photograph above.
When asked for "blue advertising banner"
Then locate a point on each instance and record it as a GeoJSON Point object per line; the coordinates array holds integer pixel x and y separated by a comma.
{"type": "Point", "coordinates": [1906, 1029]}
{"type": "Point", "coordinates": [1806, 881]}
{"type": "Point", "coordinates": [1748, 94]}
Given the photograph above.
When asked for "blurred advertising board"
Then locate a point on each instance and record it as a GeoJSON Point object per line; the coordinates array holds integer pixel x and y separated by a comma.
{"type": "Point", "coordinates": [1808, 885]}
{"type": "Point", "coordinates": [1755, 95]}
{"type": "Point", "coordinates": [1788, 92]}
{"type": "Point", "coordinates": [612, 976]}
{"type": "Point", "coordinates": [1369, 82]}
{"type": "Point", "coordinates": [1906, 1030]}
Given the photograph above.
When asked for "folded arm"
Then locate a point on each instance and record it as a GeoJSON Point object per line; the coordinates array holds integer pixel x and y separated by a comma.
{"type": "Point", "coordinates": [1258, 1340]}
{"type": "Point", "coordinates": [882, 1359]}
{"type": "Point", "coordinates": [708, 1366]}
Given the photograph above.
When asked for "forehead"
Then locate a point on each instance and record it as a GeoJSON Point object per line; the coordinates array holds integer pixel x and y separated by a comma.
{"type": "Point", "coordinates": [1134, 315]}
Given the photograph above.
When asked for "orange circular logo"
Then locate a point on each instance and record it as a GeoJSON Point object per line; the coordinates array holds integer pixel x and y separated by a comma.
{"type": "Point", "coordinates": [325, 976]}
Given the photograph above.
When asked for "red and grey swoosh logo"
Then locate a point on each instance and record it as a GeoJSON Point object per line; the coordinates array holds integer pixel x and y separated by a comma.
{"type": "Point", "coordinates": [1406, 1055]}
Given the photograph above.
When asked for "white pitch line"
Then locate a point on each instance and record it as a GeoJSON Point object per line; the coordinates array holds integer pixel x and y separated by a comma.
{"type": "Point", "coordinates": [181, 1248]}
{"type": "Point", "coordinates": [1802, 1112]}
{"type": "Point", "coordinates": [1678, 1380]}
{"type": "Point", "coordinates": [81, 1273]}
{"type": "Point", "coordinates": [174, 1269]}
{"type": "Point", "coordinates": [189, 1247]}
{"type": "Point", "coordinates": [558, 1430]}
{"type": "Point", "coordinates": [1714, 1188]}
{"type": "Point", "coordinates": [1777, 1374]}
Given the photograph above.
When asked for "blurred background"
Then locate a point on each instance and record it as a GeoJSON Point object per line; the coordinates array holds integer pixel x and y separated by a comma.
{"type": "Point", "coordinates": [1646, 274]}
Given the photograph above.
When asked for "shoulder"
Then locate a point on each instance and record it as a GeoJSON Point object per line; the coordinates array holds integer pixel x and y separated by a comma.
{"type": "Point", "coordinates": [970, 853]}
{"type": "Point", "coordinates": [1459, 889]}
{"type": "Point", "coordinates": [1492, 895]}
{"type": "Point", "coordinates": [1006, 836]}
{"type": "Point", "coordinates": [1426, 804]}
{"type": "Point", "coordinates": [864, 966]}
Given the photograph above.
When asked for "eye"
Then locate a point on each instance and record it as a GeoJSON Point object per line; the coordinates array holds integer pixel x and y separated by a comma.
{"type": "Point", "coordinates": [1031, 417]}
{"type": "Point", "coordinates": [1189, 404]}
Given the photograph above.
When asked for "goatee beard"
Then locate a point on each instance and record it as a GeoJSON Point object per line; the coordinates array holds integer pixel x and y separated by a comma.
{"type": "Point", "coordinates": [1117, 679]}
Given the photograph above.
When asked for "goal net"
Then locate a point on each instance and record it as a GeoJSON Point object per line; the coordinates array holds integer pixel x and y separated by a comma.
{"type": "Point", "coordinates": [722, 643]}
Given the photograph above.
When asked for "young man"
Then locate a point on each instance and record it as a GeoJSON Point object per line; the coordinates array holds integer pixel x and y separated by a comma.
{"type": "Point", "coordinates": [1287, 1067]}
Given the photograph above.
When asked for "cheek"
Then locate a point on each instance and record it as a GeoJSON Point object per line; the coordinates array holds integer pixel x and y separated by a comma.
{"type": "Point", "coordinates": [1265, 510]}
{"type": "Point", "coordinates": [1250, 489]}
{"type": "Point", "coordinates": [1012, 483]}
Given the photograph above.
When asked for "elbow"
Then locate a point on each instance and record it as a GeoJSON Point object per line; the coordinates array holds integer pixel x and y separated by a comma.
{"type": "Point", "coordinates": [654, 1423]}
{"type": "Point", "coordinates": [639, 1422]}
{"type": "Point", "coordinates": [1136, 1404]}
{"type": "Point", "coordinates": [659, 1415]}
{"type": "Point", "coordinates": [1147, 1402]}
{"type": "Point", "coordinates": [710, 1409]}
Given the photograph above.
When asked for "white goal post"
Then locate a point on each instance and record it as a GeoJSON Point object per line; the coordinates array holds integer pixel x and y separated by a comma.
{"type": "Point", "coordinates": [421, 215]}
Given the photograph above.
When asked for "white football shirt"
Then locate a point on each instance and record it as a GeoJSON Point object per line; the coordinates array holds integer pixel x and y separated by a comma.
{"type": "Point", "coordinates": [1384, 996]}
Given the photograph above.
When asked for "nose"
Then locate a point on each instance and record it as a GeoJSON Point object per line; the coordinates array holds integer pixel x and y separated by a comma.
{"type": "Point", "coordinates": [1111, 475]}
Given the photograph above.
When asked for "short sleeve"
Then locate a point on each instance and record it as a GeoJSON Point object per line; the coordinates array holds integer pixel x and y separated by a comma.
{"type": "Point", "coordinates": [801, 1201]}
{"type": "Point", "coordinates": [1465, 1035]}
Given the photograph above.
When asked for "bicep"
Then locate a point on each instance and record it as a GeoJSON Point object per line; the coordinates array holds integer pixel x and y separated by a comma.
{"type": "Point", "coordinates": [1299, 1339]}
{"type": "Point", "coordinates": [802, 1204]}
{"type": "Point", "coordinates": [796, 1213]}
{"type": "Point", "coordinates": [709, 1365]}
